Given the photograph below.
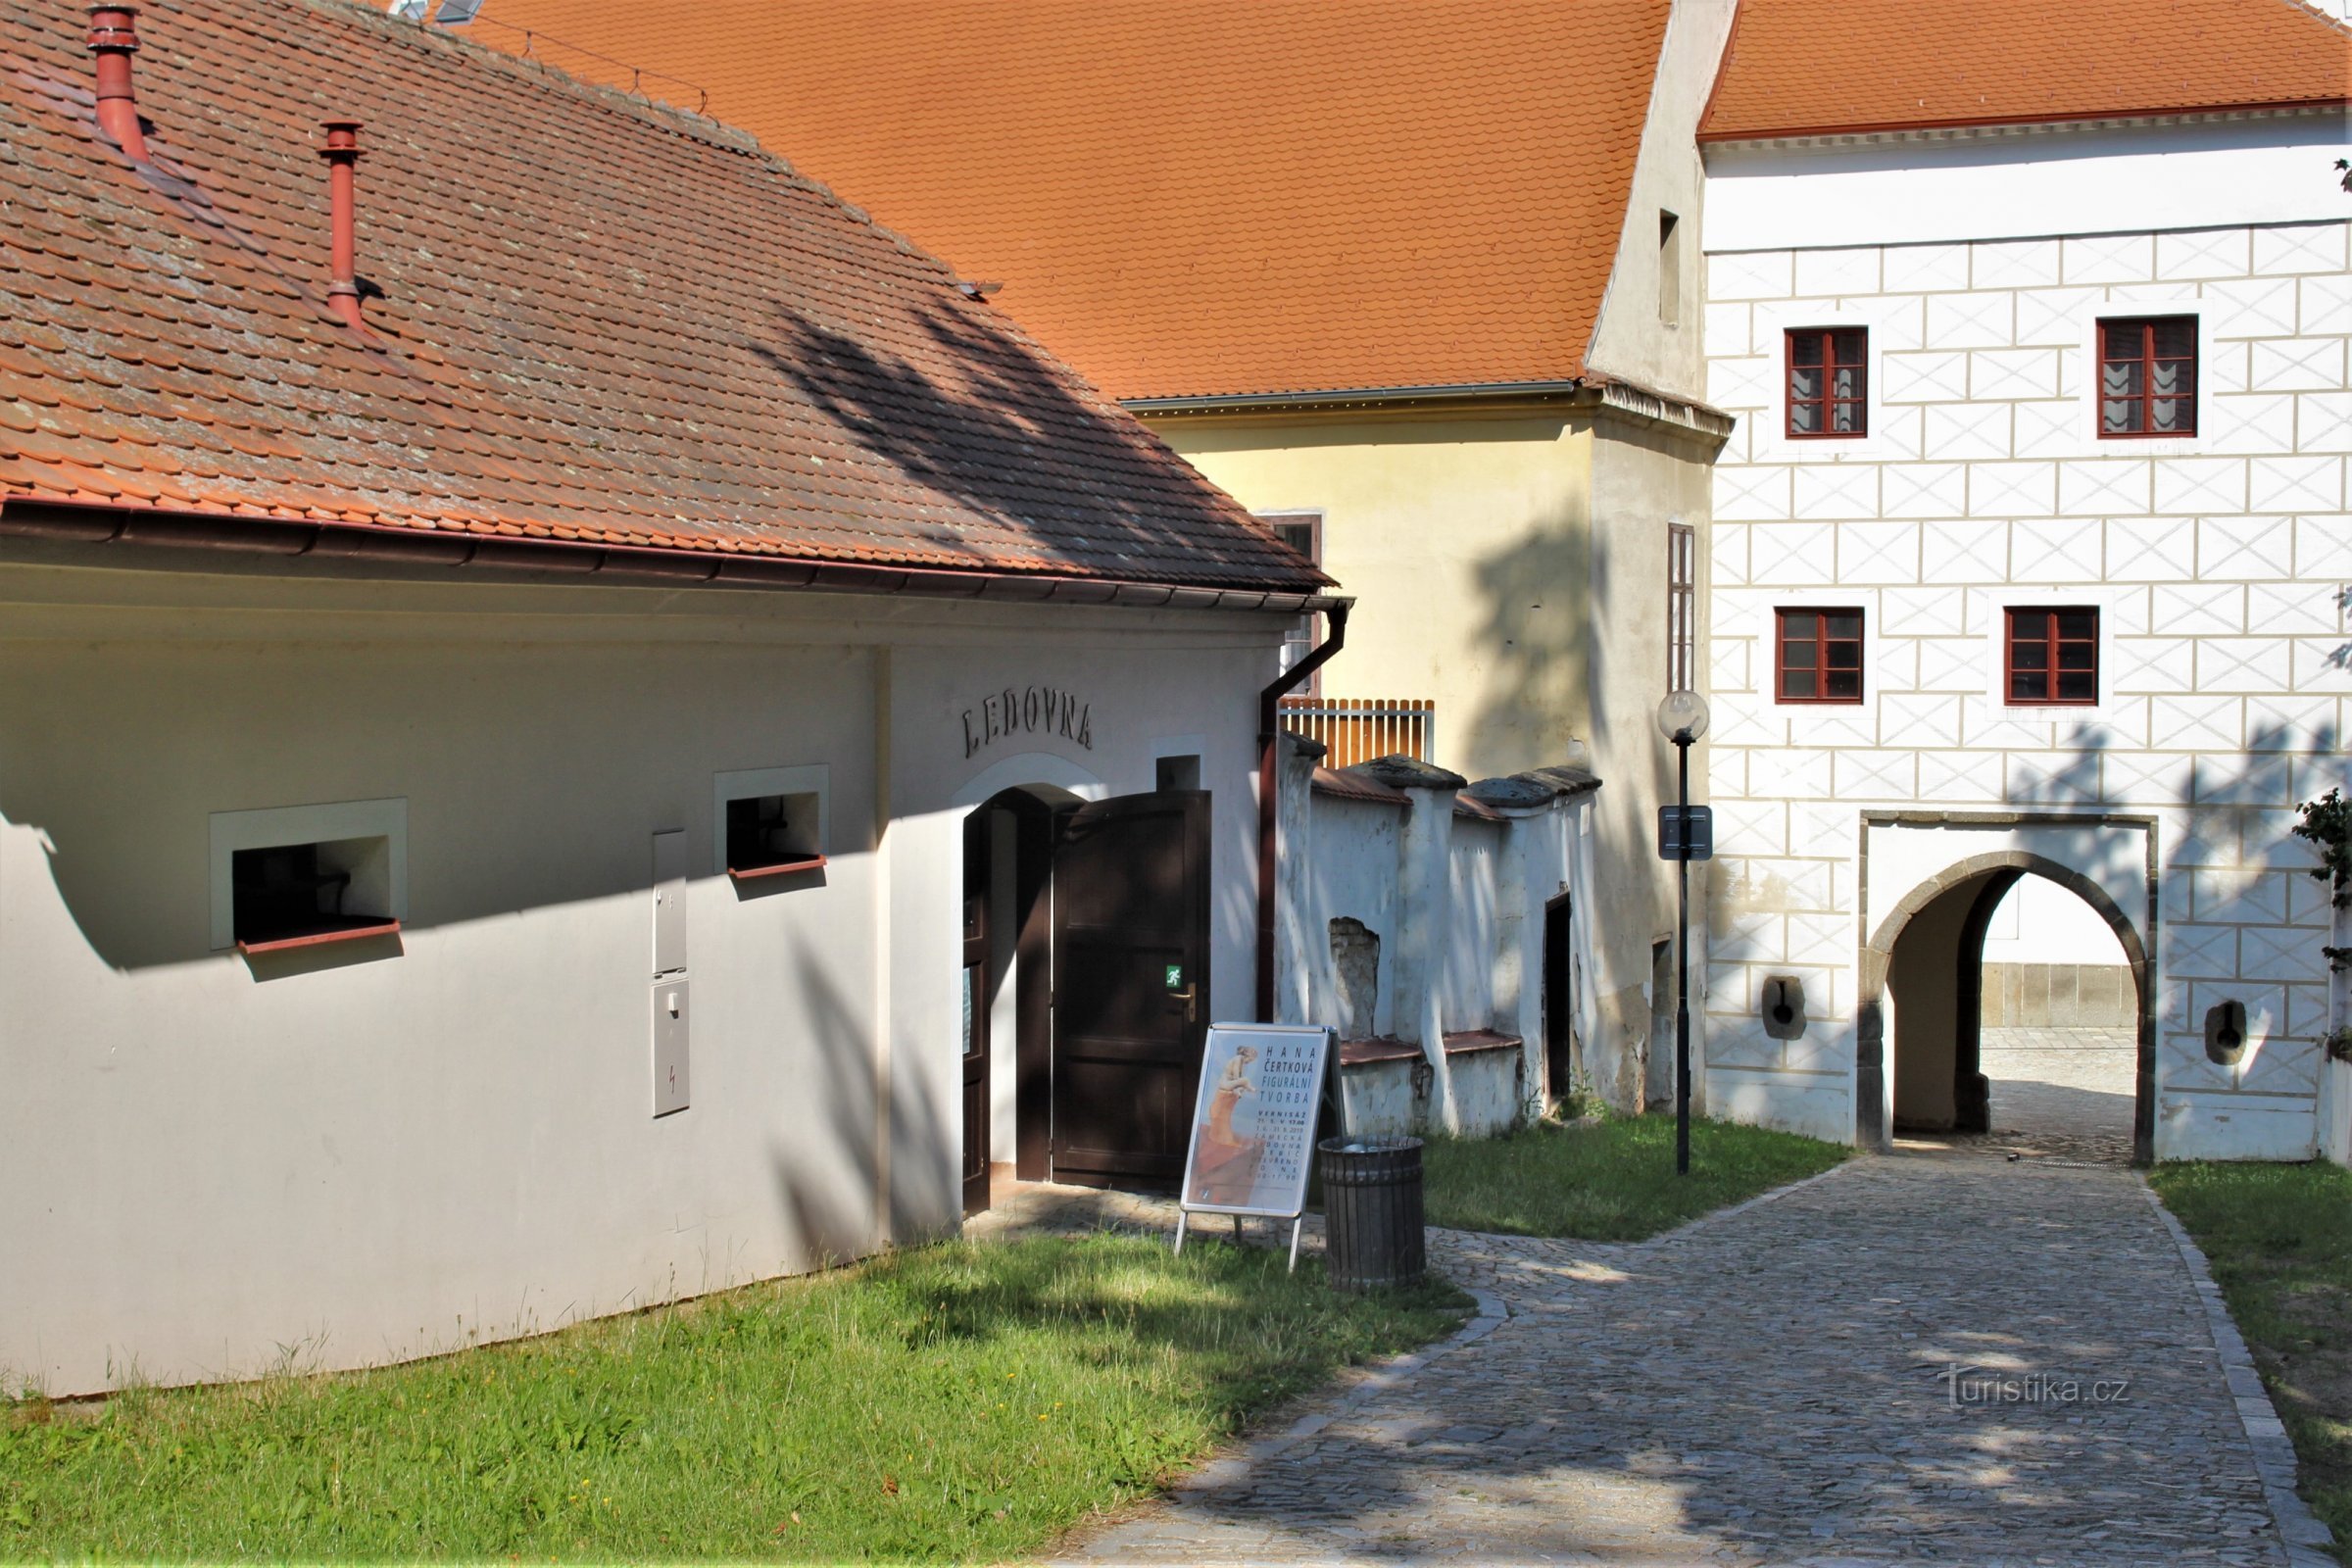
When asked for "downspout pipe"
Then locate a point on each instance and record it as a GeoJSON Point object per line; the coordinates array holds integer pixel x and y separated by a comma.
{"type": "Point", "coordinates": [1269, 771]}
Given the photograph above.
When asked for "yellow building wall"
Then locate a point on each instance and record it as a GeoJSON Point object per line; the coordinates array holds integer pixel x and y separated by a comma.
{"type": "Point", "coordinates": [1465, 539]}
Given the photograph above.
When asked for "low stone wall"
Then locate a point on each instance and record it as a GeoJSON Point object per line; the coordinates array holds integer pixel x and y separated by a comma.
{"type": "Point", "coordinates": [2059, 996]}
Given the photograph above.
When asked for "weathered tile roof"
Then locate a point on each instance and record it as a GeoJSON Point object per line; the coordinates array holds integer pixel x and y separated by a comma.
{"type": "Point", "coordinates": [598, 322]}
{"type": "Point", "coordinates": [1211, 198]}
{"type": "Point", "coordinates": [1810, 67]}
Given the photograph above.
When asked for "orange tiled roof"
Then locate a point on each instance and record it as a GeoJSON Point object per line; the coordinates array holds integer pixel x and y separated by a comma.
{"type": "Point", "coordinates": [1809, 66]}
{"type": "Point", "coordinates": [1214, 197]}
{"type": "Point", "coordinates": [598, 322]}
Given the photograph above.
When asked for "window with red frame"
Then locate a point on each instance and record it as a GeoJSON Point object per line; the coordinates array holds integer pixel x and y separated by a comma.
{"type": "Point", "coordinates": [1817, 655]}
{"type": "Point", "coordinates": [2148, 376]}
{"type": "Point", "coordinates": [2053, 657]}
{"type": "Point", "coordinates": [1827, 375]}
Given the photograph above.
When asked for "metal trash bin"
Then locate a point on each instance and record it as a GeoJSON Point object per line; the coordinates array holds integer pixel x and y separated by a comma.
{"type": "Point", "coordinates": [1372, 1212]}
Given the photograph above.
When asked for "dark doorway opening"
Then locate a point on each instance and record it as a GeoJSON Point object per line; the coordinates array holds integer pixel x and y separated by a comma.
{"type": "Point", "coordinates": [1085, 975]}
{"type": "Point", "coordinates": [2058, 1099]}
{"type": "Point", "coordinates": [1008, 862]}
{"type": "Point", "coordinates": [1560, 1062]}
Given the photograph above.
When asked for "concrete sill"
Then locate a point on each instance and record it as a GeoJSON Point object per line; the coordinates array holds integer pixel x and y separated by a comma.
{"type": "Point", "coordinates": [1470, 1041]}
{"type": "Point", "coordinates": [748, 873]}
{"type": "Point", "coordinates": [357, 932]}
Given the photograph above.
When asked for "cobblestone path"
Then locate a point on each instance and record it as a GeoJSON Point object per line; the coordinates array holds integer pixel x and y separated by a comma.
{"type": "Point", "coordinates": [1776, 1384]}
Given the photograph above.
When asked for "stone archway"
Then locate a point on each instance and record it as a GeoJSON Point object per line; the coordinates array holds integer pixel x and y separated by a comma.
{"type": "Point", "coordinates": [1962, 896]}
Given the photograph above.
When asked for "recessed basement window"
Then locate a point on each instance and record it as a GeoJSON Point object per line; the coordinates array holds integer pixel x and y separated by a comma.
{"type": "Point", "coordinates": [286, 896]}
{"type": "Point", "coordinates": [770, 835]}
{"type": "Point", "coordinates": [296, 876]}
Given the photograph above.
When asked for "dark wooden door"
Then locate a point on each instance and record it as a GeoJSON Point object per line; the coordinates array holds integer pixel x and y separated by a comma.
{"type": "Point", "coordinates": [1130, 986]}
{"type": "Point", "coordinates": [976, 992]}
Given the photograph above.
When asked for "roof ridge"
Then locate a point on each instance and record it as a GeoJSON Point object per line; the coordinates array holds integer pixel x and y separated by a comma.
{"type": "Point", "coordinates": [2342, 24]}
{"type": "Point", "coordinates": [411, 34]}
{"type": "Point", "coordinates": [666, 114]}
{"type": "Point", "coordinates": [720, 132]}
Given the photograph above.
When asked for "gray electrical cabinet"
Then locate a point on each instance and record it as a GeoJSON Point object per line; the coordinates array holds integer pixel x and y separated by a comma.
{"type": "Point", "coordinates": [671, 1077]}
{"type": "Point", "coordinates": [672, 1085]}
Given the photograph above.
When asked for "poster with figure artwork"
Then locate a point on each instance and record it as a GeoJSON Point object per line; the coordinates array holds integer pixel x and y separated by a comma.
{"type": "Point", "coordinates": [1254, 1126]}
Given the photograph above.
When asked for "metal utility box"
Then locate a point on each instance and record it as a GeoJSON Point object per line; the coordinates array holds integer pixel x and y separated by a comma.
{"type": "Point", "coordinates": [671, 1084]}
{"type": "Point", "coordinates": [669, 903]}
{"type": "Point", "coordinates": [1686, 833]}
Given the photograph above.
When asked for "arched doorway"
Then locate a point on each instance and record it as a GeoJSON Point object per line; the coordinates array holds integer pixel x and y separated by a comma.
{"type": "Point", "coordinates": [1922, 989]}
{"type": "Point", "coordinates": [1005, 1069]}
{"type": "Point", "coordinates": [1086, 985]}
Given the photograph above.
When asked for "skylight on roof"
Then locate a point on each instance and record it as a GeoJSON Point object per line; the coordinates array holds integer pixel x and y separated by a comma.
{"type": "Point", "coordinates": [457, 13]}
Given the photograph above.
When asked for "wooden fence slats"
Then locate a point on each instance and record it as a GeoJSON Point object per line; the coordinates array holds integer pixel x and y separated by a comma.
{"type": "Point", "coordinates": [1357, 729]}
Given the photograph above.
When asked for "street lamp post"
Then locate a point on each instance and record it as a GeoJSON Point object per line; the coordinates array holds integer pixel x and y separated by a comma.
{"type": "Point", "coordinates": [1682, 719]}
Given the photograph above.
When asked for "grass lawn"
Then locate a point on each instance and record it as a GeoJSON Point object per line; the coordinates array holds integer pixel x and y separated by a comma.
{"type": "Point", "coordinates": [1610, 1180]}
{"type": "Point", "coordinates": [955, 1401]}
{"type": "Point", "coordinates": [2279, 1239]}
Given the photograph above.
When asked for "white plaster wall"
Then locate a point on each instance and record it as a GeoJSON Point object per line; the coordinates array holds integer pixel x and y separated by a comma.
{"type": "Point", "coordinates": [2218, 564]}
{"type": "Point", "coordinates": [2022, 183]}
{"type": "Point", "coordinates": [2041, 922]}
{"type": "Point", "coordinates": [365, 1160]}
{"type": "Point", "coordinates": [1353, 875]}
{"type": "Point", "coordinates": [1473, 938]}
{"type": "Point", "coordinates": [1629, 337]}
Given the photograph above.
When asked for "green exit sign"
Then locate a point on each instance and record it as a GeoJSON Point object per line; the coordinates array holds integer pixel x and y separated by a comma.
{"type": "Point", "coordinates": [1175, 973]}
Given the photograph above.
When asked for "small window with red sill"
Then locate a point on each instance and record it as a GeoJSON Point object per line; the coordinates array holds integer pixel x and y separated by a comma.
{"type": "Point", "coordinates": [2053, 657]}
{"type": "Point", "coordinates": [2147, 376]}
{"type": "Point", "coordinates": [288, 896]}
{"type": "Point", "coordinates": [773, 835]}
{"type": "Point", "coordinates": [768, 828]}
{"type": "Point", "coordinates": [1829, 373]}
{"type": "Point", "coordinates": [1817, 655]}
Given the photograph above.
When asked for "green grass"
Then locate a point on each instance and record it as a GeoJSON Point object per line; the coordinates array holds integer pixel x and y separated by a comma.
{"type": "Point", "coordinates": [2279, 1239]}
{"type": "Point", "coordinates": [1610, 1180]}
{"type": "Point", "coordinates": [957, 1401]}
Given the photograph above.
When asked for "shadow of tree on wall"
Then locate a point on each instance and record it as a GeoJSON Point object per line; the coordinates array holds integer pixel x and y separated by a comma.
{"type": "Point", "coordinates": [823, 1150]}
{"type": "Point", "coordinates": [1535, 647]}
{"type": "Point", "coordinates": [1043, 474]}
{"type": "Point", "coordinates": [2228, 814]}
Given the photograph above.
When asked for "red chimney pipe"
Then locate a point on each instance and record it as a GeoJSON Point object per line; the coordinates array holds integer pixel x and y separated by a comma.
{"type": "Point", "coordinates": [342, 155]}
{"type": "Point", "coordinates": [114, 40]}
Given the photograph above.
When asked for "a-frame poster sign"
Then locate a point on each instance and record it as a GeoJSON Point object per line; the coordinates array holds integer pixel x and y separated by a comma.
{"type": "Point", "coordinates": [1254, 1124]}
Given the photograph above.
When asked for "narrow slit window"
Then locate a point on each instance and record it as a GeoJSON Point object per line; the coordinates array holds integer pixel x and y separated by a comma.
{"type": "Point", "coordinates": [2053, 658]}
{"type": "Point", "coordinates": [1682, 607]}
{"type": "Point", "coordinates": [1818, 656]}
{"type": "Point", "coordinates": [1828, 394]}
{"type": "Point", "coordinates": [2148, 377]}
{"type": "Point", "coordinates": [1670, 268]}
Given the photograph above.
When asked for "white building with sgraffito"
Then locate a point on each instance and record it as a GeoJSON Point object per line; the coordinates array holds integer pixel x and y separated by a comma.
{"type": "Point", "coordinates": [2030, 548]}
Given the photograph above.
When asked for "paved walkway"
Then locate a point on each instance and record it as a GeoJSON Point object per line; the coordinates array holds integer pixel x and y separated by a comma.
{"type": "Point", "coordinates": [2062, 1094]}
{"type": "Point", "coordinates": [1776, 1385]}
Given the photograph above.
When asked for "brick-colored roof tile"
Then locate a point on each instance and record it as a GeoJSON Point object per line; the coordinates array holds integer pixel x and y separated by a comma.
{"type": "Point", "coordinates": [1222, 196]}
{"type": "Point", "coordinates": [599, 320]}
{"type": "Point", "coordinates": [1812, 67]}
